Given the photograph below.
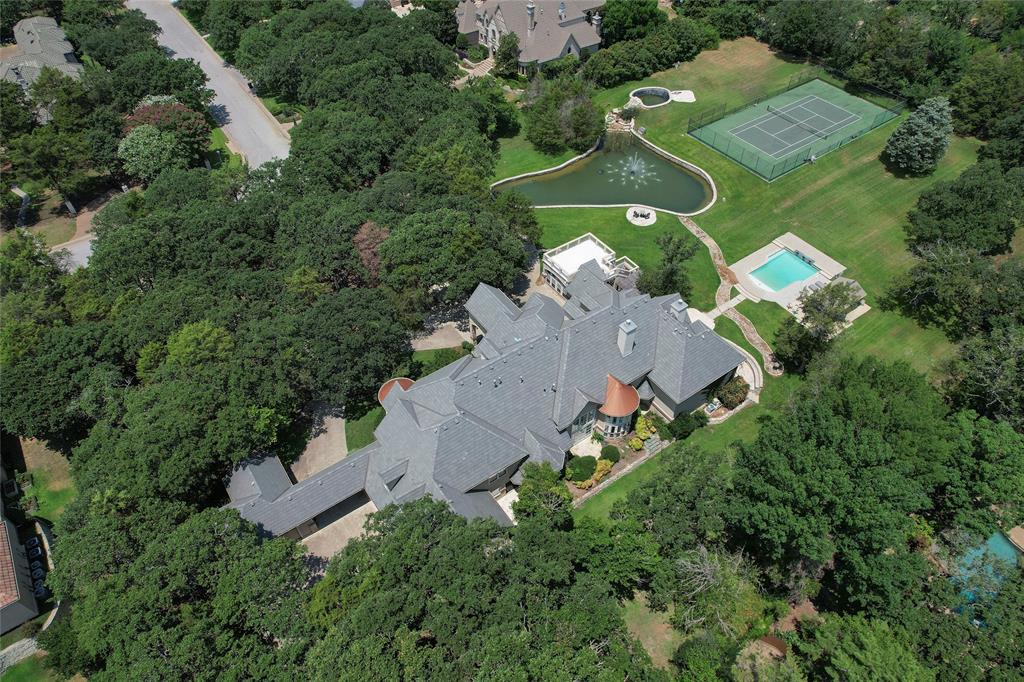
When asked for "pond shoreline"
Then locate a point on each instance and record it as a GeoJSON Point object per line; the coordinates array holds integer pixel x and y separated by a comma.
{"type": "Point", "coordinates": [683, 164]}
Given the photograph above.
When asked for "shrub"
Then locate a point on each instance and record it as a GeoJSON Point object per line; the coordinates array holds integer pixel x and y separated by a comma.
{"type": "Point", "coordinates": [682, 426]}
{"type": "Point", "coordinates": [635, 443]}
{"type": "Point", "coordinates": [610, 453]}
{"type": "Point", "coordinates": [580, 468]}
{"type": "Point", "coordinates": [733, 392]}
{"type": "Point", "coordinates": [644, 429]}
{"type": "Point", "coordinates": [602, 470]}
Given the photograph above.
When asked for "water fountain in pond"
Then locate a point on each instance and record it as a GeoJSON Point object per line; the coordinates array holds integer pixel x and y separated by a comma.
{"type": "Point", "coordinates": [632, 169]}
{"type": "Point", "coordinates": [623, 172]}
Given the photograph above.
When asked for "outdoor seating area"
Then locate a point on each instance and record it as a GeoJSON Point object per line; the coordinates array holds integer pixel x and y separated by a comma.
{"type": "Point", "coordinates": [641, 216]}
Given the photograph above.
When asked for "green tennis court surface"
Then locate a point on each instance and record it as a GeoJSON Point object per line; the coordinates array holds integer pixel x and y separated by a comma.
{"type": "Point", "coordinates": [781, 133]}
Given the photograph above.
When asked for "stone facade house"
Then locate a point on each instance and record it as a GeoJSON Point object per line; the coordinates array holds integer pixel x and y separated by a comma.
{"type": "Point", "coordinates": [547, 29]}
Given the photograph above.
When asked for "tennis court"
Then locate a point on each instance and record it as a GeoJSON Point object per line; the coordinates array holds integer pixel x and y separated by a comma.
{"type": "Point", "coordinates": [776, 135]}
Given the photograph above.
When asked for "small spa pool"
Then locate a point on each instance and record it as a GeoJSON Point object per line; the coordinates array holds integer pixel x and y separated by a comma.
{"type": "Point", "coordinates": [782, 269]}
{"type": "Point", "coordinates": [653, 96]}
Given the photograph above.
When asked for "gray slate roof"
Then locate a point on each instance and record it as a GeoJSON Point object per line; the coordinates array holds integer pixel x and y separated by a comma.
{"type": "Point", "coordinates": [547, 39]}
{"type": "Point", "coordinates": [41, 42]}
{"type": "Point", "coordinates": [469, 427]}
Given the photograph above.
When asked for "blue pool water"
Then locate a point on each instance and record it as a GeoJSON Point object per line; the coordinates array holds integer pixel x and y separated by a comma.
{"type": "Point", "coordinates": [976, 564]}
{"type": "Point", "coordinates": [782, 269]}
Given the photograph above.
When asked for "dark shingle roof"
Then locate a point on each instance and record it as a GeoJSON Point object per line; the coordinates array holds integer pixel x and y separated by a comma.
{"type": "Point", "coordinates": [456, 431]}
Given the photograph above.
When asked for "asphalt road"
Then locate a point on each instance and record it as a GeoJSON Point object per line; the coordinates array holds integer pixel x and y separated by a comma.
{"type": "Point", "coordinates": [245, 120]}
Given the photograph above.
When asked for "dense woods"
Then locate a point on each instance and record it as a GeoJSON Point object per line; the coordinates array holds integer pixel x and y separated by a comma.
{"type": "Point", "coordinates": [218, 305]}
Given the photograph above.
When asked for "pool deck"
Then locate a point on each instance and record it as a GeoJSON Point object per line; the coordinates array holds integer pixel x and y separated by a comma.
{"type": "Point", "coordinates": [828, 269]}
{"type": "Point", "coordinates": [1016, 537]}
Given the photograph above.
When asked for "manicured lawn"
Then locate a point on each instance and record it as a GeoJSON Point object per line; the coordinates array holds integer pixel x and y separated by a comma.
{"type": "Point", "coordinates": [29, 670]}
{"type": "Point", "coordinates": [425, 356]}
{"type": "Point", "coordinates": [638, 243]}
{"type": "Point", "coordinates": [219, 143]}
{"type": "Point", "coordinates": [738, 71]}
{"type": "Point", "coordinates": [741, 427]}
{"type": "Point", "coordinates": [284, 111]}
{"type": "Point", "coordinates": [728, 329]}
{"type": "Point", "coordinates": [846, 205]}
{"type": "Point", "coordinates": [652, 630]}
{"type": "Point", "coordinates": [359, 432]}
{"type": "Point", "coordinates": [516, 156]}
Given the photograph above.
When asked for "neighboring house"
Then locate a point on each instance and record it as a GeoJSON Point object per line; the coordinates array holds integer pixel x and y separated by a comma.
{"type": "Point", "coordinates": [547, 29]}
{"type": "Point", "coordinates": [541, 378]}
{"type": "Point", "coordinates": [40, 42]}
{"type": "Point", "coordinates": [17, 601]}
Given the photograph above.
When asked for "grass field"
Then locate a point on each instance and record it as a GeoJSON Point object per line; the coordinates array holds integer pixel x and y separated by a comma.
{"type": "Point", "coordinates": [52, 486]}
{"type": "Point", "coordinates": [517, 156]}
{"type": "Point", "coordinates": [54, 225]}
{"type": "Point", "coordinates": [218, 152]}
{"type": "Point", "coordinates": [359, 432]}
{"type": "Point", "coordinates": [29, 670]}
{"type": "Point", "coordinates": [652, 630]}
{"type": "Point", "coordinates": [846, 205]}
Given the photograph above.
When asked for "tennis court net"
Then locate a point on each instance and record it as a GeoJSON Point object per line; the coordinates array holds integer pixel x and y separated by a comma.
{"type": "Point", "coordinates": [782, 114]}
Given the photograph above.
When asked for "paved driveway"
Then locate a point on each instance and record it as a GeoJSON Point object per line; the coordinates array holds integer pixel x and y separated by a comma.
{"type": "Point", "coordinates": [247, 123]}
{"type": "Point", "coordinates": [79, 250]}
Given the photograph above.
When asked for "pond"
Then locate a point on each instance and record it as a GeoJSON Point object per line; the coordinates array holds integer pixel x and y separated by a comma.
{"type": "Point", "coordinates": [627, 175]}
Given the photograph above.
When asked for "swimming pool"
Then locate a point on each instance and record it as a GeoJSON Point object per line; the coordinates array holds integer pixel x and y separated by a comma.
{"type": "Point", "coordinates": [782, 269]}
{"type": "Point", "coordinates": [979, 565]}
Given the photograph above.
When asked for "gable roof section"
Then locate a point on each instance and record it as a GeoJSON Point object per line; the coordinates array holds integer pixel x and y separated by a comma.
{"type": "Point", "coordinates": [308, 498]}
{"type": "Point", "coordinates": [689, 356]}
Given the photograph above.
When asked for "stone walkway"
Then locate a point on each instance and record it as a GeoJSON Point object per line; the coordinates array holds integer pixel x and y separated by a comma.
{"type": "Point", "coordinates": [724, 299]}
{"type": "Point", "coordinates": [17, 652]}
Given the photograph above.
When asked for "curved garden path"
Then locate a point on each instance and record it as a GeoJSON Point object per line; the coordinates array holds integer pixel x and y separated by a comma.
{"type": "Point", "coordinates": [725, 302]}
